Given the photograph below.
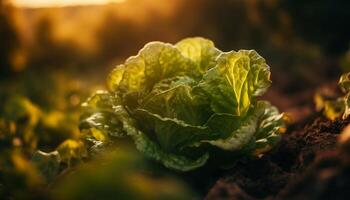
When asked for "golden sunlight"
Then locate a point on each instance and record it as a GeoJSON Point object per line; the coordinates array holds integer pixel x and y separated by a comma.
{"type": "Point", "coordinates": [57, 3]}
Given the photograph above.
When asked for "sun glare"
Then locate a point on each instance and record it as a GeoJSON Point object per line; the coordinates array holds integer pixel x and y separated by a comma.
{"type": "Point", "coordinates": [56, 3]}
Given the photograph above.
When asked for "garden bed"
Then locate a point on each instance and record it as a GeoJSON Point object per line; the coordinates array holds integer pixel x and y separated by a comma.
{"type": "Point", "coordinates": [307, 164]}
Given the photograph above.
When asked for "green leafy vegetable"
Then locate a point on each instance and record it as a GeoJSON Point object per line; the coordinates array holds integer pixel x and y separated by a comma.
{"type": "Point", "coordinates": [344, 84]}
{"type": "Point", "coordinates": [334, 107]}
{"type": "Point", "coordinates": [175, 101]}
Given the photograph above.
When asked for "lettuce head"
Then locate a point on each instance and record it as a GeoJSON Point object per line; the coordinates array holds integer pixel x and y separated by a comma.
{"type": "Point", "coordinates": [177, 102]}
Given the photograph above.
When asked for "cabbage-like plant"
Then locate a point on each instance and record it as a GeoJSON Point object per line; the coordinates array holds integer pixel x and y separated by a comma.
{"type": "Point", "coordinates": [344, 84]}
{"type": "Point", "coordinates": [177, 102]}
{"type": "Point", "coordinates": [335, 107]}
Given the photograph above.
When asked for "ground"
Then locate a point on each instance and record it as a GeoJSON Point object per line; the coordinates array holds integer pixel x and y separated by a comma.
{"type": "Point", "coordinates": [309, 163]}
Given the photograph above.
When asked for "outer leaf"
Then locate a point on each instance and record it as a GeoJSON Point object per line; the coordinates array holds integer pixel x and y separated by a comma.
{"type": "Point", "coordinates": [107, 122]}
{"type": "Point", "coordinates": [333, 108]}
{"type": "Point", "coordinates": [164, 61]}
{"type": "Point", "coordinates": [201, 51]}
{"type": "Point", "coordinates": [344, 82]}
{"type": "Point", "coordinates": [154, 151]}
{"type": "Point", "coordinates": [155, 62]}
{"type": "Point", "coordinates": [172, 161]}
{"type": "Point", "coordinates": [176, 102]}
{"type": "Point", "coordinates": [240, 137]}
{"type": "Point", "coordinates": [172, 133]}
{"type": "Point", "coordinates": [100, 101]}
{"type": "Point", "coordinates": [115, 77]}
{"type": "Point", "coordinates": [100, 114]}
{"type": "Point", "coordinates": [237, 79]}
{"type": "Point", "coordinates": [347, 105]}
{"type": "Point", "coordinates": [261, 125]}
{"type": "Point", "coordinates": [270, 127]}
{"type": "Point", "coordinates": [223, 124]}
{"type": "Point", "coordinates": [70, 150]}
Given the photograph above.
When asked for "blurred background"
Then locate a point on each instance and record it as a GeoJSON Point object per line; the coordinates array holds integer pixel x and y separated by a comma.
{"type": "Point", "coordinates": [47, 43]}
{"type": "Point", "coordinates": [54, 53]}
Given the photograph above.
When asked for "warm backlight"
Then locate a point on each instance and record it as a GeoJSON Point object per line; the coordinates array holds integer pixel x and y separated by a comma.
{"type": "Point", "coordinates": [55, 3]}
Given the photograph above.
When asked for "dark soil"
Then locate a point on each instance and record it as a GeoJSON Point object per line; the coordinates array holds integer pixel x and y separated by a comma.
{"type": "Point", "coordinates": [308, 164]}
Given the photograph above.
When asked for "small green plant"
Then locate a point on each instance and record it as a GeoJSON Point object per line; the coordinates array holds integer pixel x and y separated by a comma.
{"type": "Point", "coordinates": [336, 107]}
{"type": "Point", "coordinates": [178, 102]}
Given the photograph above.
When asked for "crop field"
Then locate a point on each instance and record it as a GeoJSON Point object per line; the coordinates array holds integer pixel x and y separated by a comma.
{"type": "Point", "coordinates": [180, 100]}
